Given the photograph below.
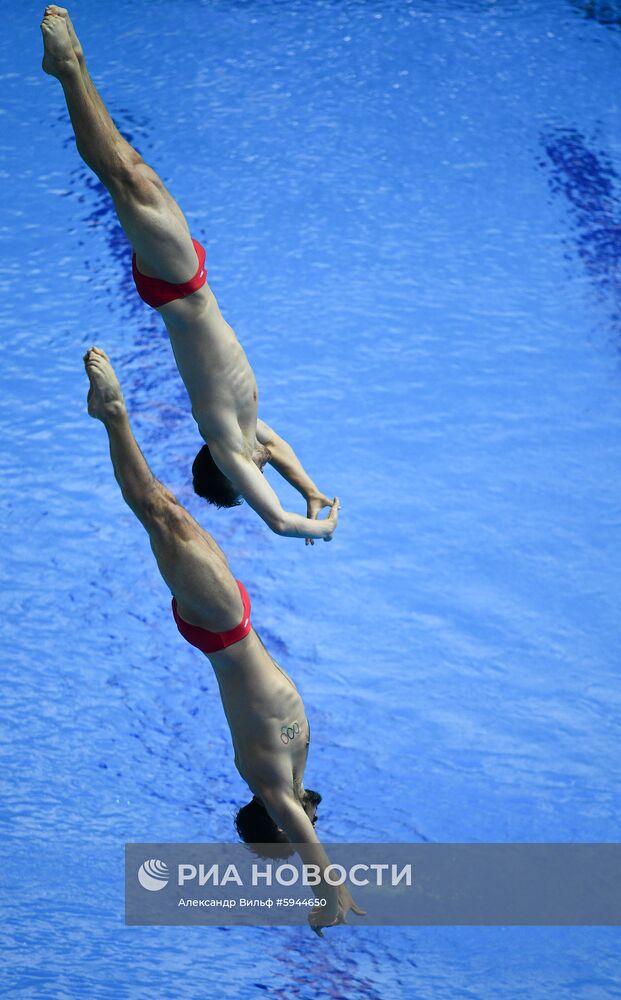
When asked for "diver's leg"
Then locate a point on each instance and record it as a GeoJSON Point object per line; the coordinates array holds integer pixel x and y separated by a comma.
{"type": "Point", "coordinates": [79, 53]}
{"type": "Point", "coordinates": [152, 220]}
{"type": "Point", "coordinates": [190, 561]}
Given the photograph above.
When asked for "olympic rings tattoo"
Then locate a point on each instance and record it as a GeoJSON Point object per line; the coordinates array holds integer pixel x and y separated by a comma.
{"type": "Point", "coordinates": [288, 732]}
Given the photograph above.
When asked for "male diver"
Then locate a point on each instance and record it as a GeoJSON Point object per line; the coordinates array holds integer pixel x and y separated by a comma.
{"type": "Point", "coordinates": [170, 275]}
{"type": "Point", "coordinates": [264, 710]}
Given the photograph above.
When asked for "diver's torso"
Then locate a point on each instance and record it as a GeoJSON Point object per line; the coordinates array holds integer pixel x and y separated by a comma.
{"type": "Point", "coordinates": [264, 710]}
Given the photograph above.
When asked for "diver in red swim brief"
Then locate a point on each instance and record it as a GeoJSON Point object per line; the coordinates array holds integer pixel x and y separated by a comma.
{"type": "Point", "coordinates": [263, 707]}
{"type": "Point", "coordinates": [212, 363]}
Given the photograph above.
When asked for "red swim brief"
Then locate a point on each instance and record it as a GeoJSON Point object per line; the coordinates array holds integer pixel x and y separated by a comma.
{"type": "Point", "coordinates": [211, 642]}
{"type": "Point", "coordinates": [156, 292]}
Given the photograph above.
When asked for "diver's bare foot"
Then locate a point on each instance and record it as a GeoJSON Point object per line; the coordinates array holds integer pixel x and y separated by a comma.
{"type": "Point", "coordinates": [105, 399]}
{"type": "Point", "coordinates": [58, 55]}
{"type": "Point", "coordinates": [75, 41]}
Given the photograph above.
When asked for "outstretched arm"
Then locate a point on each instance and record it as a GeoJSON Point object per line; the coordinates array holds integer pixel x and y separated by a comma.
{"type": "Point", "coordinates": [287, 463]}
{"type": "Point", "coordinates": [258, 493]}
{"type": "Point", "coordinates": [291, 817]}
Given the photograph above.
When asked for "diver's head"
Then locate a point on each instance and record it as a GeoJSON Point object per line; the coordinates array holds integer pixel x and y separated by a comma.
{"type": "Point", "coordinates": [210, 483]}
{"type": "Point", "coordinates": [310, 801]}
{"type": "Point", "coordinates": [255, 826]}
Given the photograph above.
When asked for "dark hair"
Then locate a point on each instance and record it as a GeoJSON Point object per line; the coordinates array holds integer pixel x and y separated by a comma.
{"type": "Point", "coordinates": [210, 483]}
{"type": "Point", "coordinates": [255, 826]}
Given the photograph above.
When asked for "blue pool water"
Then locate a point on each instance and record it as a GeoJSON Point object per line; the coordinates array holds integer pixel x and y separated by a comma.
{"type": "Point", "coordinates": [412, 212]}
